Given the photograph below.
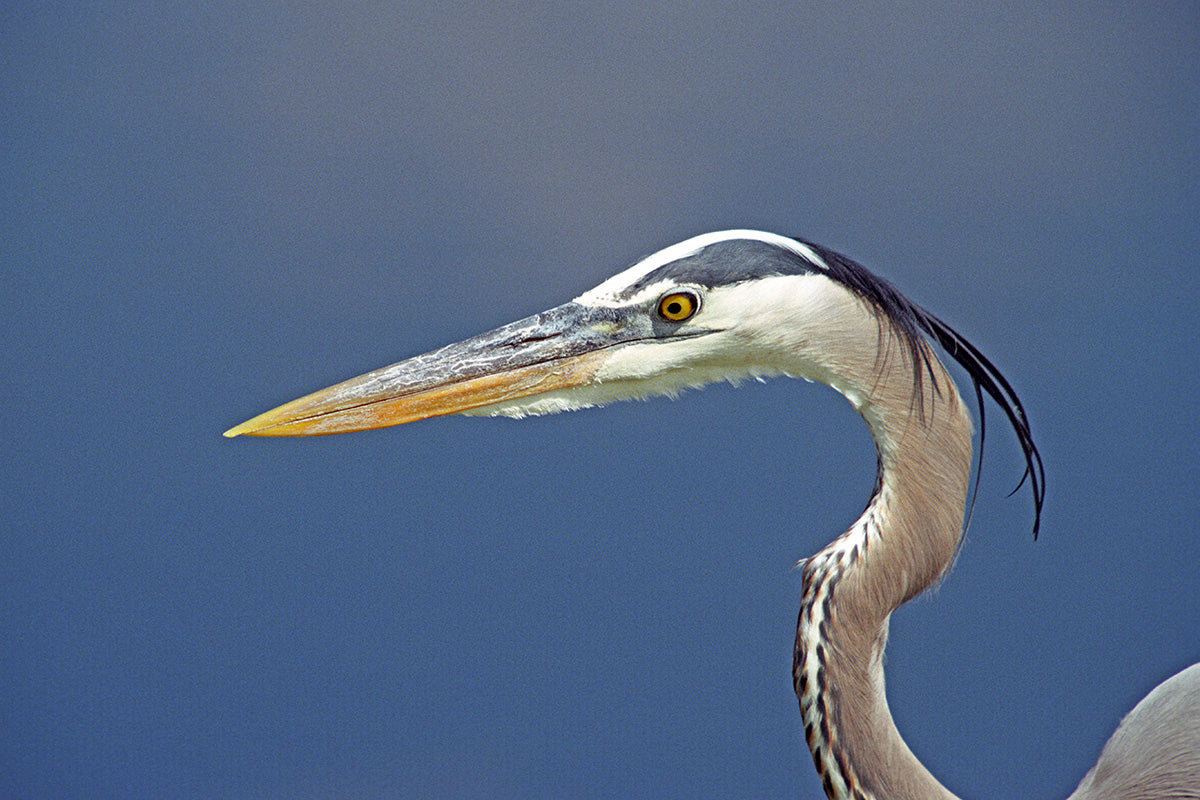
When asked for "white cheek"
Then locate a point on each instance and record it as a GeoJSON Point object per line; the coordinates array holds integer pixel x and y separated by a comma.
{"type": "Point", "coordinates": [770, 318]}
{"type": "Point", "coordinates": [669, 368]}
{"type": "Point", "coordinates": [646, 360]}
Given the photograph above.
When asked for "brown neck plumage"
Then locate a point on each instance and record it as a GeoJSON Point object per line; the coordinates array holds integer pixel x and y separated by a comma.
{"type": "Point", "coordinates": [902, 544]}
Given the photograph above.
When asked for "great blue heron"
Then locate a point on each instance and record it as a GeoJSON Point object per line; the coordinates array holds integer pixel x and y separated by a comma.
{"type": "Point", "coordinates": [737, 304]}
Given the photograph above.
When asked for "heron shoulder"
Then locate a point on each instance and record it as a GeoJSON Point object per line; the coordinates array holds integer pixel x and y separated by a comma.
{"type": "Point", "coordinates": [1155, 751]}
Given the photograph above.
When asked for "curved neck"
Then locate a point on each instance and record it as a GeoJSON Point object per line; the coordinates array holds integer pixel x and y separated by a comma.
{"type": "Point", "coordinates": [903, 543]}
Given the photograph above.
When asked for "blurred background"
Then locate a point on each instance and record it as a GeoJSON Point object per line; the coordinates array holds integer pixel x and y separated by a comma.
{"type": "Point", "coordinates": [210, 210]}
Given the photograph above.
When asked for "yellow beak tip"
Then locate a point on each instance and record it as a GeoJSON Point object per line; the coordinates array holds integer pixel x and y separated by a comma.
{"type": "Point", "coordinates": [247, 428]}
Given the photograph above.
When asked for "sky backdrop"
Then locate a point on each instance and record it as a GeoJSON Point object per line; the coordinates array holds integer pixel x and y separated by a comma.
{"type": "Point", "coordinates": [209, 209]}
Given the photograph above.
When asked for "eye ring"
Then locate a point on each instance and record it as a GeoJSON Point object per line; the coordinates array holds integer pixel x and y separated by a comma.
{"type": "Point", "coordinates": [678, 306]}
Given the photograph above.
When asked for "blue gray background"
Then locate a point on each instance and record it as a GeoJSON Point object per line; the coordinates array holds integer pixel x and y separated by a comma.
{"type": "Point", "coordinates": [209, 210]}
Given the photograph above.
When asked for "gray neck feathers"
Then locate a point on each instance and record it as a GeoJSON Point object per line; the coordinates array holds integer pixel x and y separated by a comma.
{"type": "Point", "coordinates": [903, 543]}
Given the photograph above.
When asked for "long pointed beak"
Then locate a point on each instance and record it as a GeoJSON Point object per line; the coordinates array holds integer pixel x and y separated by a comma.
{"type": "Point", "coordinates": [554, 350]}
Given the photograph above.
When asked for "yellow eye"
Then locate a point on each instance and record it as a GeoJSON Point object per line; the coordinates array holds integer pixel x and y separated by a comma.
{"type": "Point", "coordinates": [678, 306]}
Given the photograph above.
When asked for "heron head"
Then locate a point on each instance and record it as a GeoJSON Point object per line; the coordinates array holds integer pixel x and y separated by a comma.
{"type": "Point", "coordinates": [721, 306]}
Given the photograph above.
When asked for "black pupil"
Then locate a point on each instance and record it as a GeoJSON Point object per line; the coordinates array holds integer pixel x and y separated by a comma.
{"type": "Point", "coordinates": [675, 307]}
